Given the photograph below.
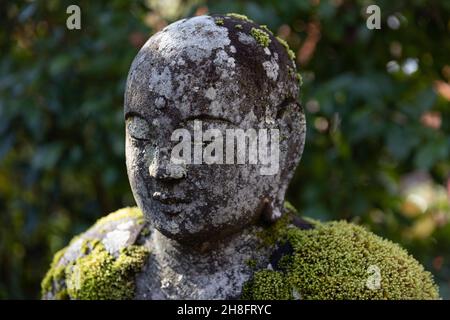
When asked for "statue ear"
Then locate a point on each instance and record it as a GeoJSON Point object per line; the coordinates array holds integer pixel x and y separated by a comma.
{"type": "Point", "coordinates": [292, 125]}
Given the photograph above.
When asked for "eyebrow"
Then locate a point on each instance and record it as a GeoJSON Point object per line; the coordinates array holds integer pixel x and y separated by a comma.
{"type": "Point", "coordinates": [133, 114]}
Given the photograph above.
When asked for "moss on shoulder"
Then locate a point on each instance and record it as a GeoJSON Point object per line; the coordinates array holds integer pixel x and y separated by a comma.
{"type": "Point", "coordinates": [99, 275]}
{"type": "Point", "coordinates": [267, 285]}
{"type": "Point", "coordinates": [336, 260]}
{"type": "Point", "coordinates": [55, 276]}
{"type": "Point", "coordinates": [95, 273]}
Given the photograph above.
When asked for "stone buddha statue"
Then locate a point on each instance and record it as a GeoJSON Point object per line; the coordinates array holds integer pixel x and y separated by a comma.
{"type": "Point", "coordinates": [214, 132]}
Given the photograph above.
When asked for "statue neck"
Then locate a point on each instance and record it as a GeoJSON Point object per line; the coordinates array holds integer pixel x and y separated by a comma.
{"type": "Point", "coordinates": [213, 271]}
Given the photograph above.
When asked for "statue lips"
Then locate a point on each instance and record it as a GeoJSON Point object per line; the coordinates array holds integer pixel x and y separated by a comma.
{"type": "Point", "coordinates": [171, 204]}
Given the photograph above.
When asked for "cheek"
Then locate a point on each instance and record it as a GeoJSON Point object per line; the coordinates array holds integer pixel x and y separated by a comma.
{"type": "Point", "coordinates": [138, 155]}
{"type": "Point", "coordinates": [136, 168]}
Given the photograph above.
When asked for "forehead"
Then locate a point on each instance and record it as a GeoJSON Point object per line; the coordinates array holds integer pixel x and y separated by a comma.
{"type": "Point", "coordinates": [192, 68]}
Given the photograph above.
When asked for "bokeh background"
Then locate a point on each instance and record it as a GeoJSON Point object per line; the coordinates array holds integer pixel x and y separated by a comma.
{"type": "Point", "coordinates": [377, 103]}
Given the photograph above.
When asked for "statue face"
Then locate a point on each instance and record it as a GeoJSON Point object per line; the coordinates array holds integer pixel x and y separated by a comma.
{"type": "Point", "coordinates": [188, 199]}
{"type": "Point", "coordinates": [185, 101]}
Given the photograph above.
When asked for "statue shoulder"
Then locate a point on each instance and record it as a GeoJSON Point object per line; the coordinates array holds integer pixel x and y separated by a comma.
{"type": "Point", "coordinates": [102, 262]}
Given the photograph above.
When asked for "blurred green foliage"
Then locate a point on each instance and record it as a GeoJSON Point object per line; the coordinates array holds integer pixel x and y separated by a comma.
{"type": "Point", "coordinates": [377, 104]}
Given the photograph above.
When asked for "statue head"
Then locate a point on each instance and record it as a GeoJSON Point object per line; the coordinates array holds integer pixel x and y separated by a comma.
{"type": "Point", "coordinates": [213, 127]}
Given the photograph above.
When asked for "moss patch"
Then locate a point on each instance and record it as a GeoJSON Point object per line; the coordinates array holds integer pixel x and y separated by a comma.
{"type": "Point", "coordinates": [238, 26]}
{"type": "Point", "coordinates": [99, 275]}
{"type": "Point", "coordinates": [266, 28]}
{"type": "Point", "coordinates": [239, 16]}
{"type": "Point", "coordinates": [55, 275]}
{"type": "Point", "coordinates": [261, 36]}
{"type": "Point", "coordinates": [266, 285]}
{"type": "Point", "coordinates": [276, 232]}
{"type": "Point", "coordinates": [332, 261]}
{"type": "Point", "coordinates": [219, 21]}
{"type": "Point", "coordinates": [290, 53]}
{"type": "Point", "coordinates": [299, 78]}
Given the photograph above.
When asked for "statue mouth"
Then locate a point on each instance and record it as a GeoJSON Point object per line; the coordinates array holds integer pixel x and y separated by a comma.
{"type": "Point", "coordinates": [170, 199]}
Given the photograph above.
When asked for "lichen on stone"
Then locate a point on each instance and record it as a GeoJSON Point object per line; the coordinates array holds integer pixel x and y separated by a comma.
{"type": "Point", "coordinates": [261, 36]}
{"type": "Point", "coordinates": [333, 260]}
{"type": "Point", "coordinates": [239, 16]}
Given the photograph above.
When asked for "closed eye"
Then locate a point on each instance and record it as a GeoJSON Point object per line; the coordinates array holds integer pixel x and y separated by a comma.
{"type": "Point", "coordinates": [138, 128]}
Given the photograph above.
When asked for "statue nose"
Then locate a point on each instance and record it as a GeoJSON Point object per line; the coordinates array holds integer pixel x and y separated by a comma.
{"type": "Point", "coordinates": [162, 168]}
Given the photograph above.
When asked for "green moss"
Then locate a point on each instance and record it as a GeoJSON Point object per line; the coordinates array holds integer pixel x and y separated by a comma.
{"type": "Point", "coordinates": [290, 208]}
{"type": "Point", "coordinates": [332, 261]}
{"type": "Point", "coordinates": [97, 274]}
{"type": "Point", "coordinates": [239, 16]}
{"type": "Point", "coordinates": [238, 26]}
{"type": "Point", "coordinates": [267, 285]}
{"type": "Point", "coordinates": [266, 28]}
{"type": "Point", "coordinates": [62, 295]}
{"type": "Point", "coordinates": [260, 36]}
{"type": "Point", "coordinates": [100, 275]}
{"type": "Point", "coordinates": [145, 231]}
{"type": "Point", "coordinates": [290, 53]}
{"type": "Point", "coordinates": [251, 263]}
{"type": "Point", "coordinates": [55, 274]}
{"type": "Point", "coordinates": [276, 232]}
{"type": "Point", "coordinates": [219, 21]}
{"type": "Point", "coordinates": [299, 79]}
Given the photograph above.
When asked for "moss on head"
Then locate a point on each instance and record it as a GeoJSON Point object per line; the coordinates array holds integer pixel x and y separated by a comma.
{"type": "Point", "coordinates": [239, 16]}
{"type": "Point", "coordinates": [290, 53]}
{"type": "Point", "coordinates": [219, 21]}
{"type": "Point", "coordinates": [100, 275]}
{"type": "Point", "coordinates": [299, 79]}
{"type": "Point", "coordinates": [261, 36]}
{"type": "Point", "coordinates": [266, 28]}
{"type": "Point", "coordinates": [333, 261]}
{"type": "Point", "coordinates": [238, 26]}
